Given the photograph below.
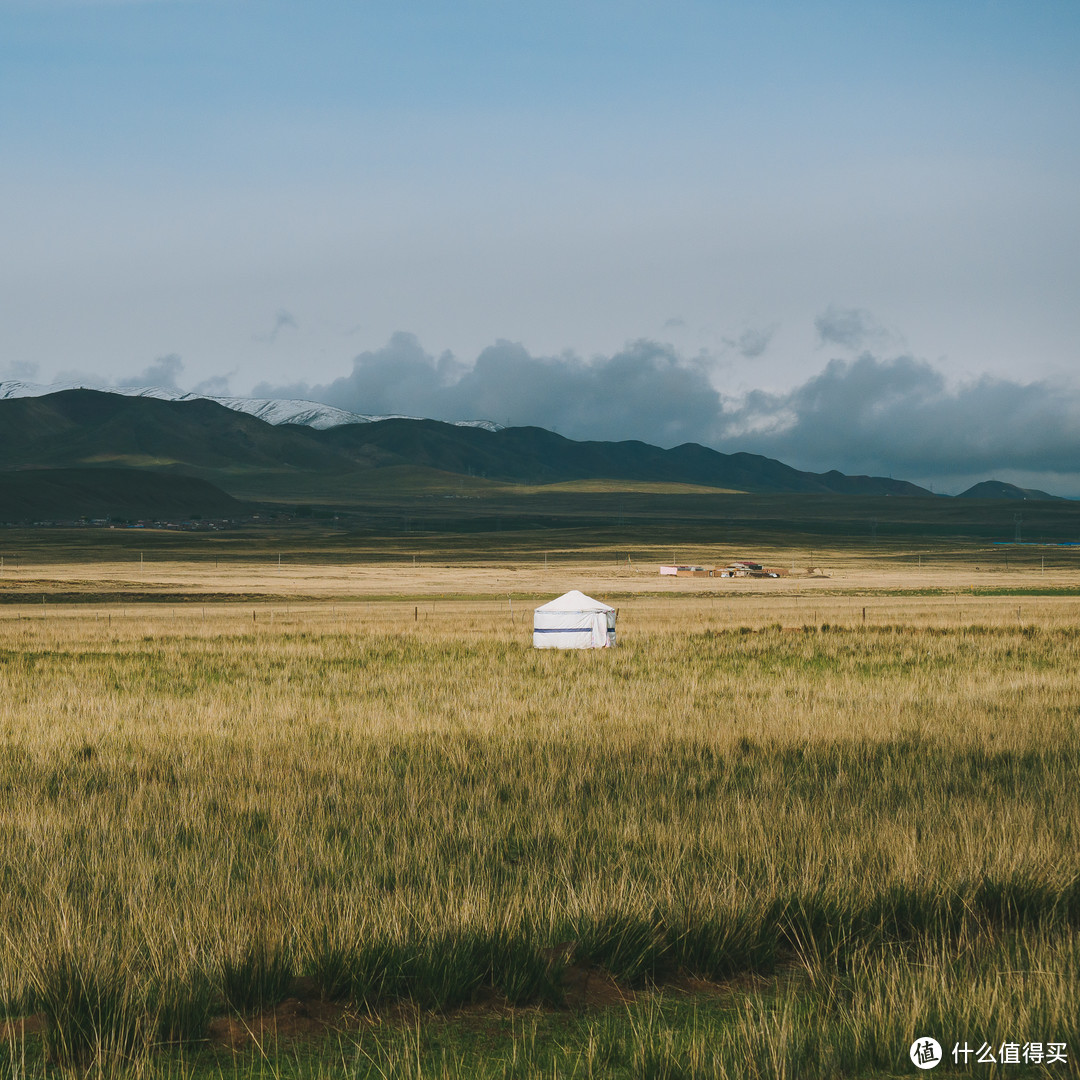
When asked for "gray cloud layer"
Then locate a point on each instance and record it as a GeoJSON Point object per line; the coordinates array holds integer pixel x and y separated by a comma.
{"type": "Point", "coordinates": [900, 416]}
{"type": "Point", "coordinates": [283, 320]}
{"type": "Point", "coordinates": [22, 370]}
{"type": "Point", "coordinates": [644, 391]}
{"type": "Point", "coordinates": [850, 328]}
{"type": "Point", "coordinates": [164, 371]}
{"type": "Point", "coordinates": [752, 343]}
{"type": "Point", "coordinates": [869, 414]}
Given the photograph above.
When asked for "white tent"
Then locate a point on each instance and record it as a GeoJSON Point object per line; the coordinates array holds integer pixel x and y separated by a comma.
{"type": "Point", "coordinates": [573, 621]}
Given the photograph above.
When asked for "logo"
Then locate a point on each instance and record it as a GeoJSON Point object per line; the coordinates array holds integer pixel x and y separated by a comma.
{"type": "Point", "coordinates": [925, 1052]}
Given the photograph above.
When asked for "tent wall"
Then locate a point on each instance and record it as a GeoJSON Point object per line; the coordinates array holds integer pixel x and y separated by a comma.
{"type": "Point", "coordinates": [573, 629]}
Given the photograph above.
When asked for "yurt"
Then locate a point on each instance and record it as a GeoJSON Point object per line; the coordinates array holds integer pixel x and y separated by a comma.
{"type": "Point", "coordinates": [573, 621]}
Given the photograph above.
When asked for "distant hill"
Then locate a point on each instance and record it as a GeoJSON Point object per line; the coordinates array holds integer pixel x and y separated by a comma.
{"type": "Point", "coordinates": [86, 427]}
{"type": "Point", "coordinates": [124, 494]}
{"type": "Point", "coordinates": [998, 489]}
{"type": "Point", "coordinates": [535, 455]}
{"type": "Point", "coordinates": [76, 429]}
{"type": "Point", "coordinates": [314, 414]}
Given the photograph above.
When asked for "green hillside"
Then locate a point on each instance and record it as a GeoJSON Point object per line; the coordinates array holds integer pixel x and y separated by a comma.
{"type": "Point", "coordinates": [79, 428]}
{"type": "Point", "coordinates": [86, 427]}
{"type": "Point", "coordinates": [534, 455]}
{"type": "Point", "coordinates": [124, 494]}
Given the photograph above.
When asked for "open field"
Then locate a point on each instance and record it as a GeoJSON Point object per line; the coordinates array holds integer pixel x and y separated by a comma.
{"type": "Point", "coordinates": [345, 802]}
{"type": "Point", "coordinates": [316, 562]}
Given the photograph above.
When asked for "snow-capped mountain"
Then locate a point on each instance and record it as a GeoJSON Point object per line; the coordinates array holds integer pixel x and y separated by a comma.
{"type": "Point", "coordinates": [312, 414]}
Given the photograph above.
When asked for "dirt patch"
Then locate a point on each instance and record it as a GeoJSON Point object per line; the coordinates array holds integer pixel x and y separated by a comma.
{"type": "Point", "coordinates": [13, 1030]}
{"type": "Point", "coordinates": [294, 1018]}
{"type": "Point", "coordinates": [589, 988]}
{"type": "Point", "coordinates": [305, 1015]}
{"type": "Point", "coordinates": [738, 985]}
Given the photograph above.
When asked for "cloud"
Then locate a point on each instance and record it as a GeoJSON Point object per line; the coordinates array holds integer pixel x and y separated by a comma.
{"type": "Point", "coordinates": [646, 390]}
{"type": "Point", "coordinates": [77, 377]}
{"type": "Point", "coordinates": [215, 386]}
{"type": "Point", "coordinates": [20, 370]}
{"type": "Point", "coordinates": [900, 416]}
{"type": "Point", "coordinates": [851, 328]}
{"type": "Point", "coordinates": [751, 343]}
{"type": "Point", "coordinates": [398, 378]}
{"type": "Point", "coordinates": [283, 320]}
{"type": "Point", "coordinates": [164, 371]}
{"type": "Point", "coordinates": [893, 415]}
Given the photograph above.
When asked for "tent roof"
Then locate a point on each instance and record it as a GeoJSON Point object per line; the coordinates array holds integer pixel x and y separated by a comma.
{"type": "Point", "coordinates": [574, 601]}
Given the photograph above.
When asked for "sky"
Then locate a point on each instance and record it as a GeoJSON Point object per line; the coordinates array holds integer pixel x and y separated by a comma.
{"type": "Point", "coordinates": [842, 234]}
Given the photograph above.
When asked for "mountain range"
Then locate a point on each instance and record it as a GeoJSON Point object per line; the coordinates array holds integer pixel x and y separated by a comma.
{"type": "Point", "coordinates": [315, 414]}
{"type": "Point", "coordinates": [304, 454]}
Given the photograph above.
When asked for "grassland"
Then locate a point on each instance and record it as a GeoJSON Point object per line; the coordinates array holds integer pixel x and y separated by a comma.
{"type": "Point", "coordinates": [781, 830]}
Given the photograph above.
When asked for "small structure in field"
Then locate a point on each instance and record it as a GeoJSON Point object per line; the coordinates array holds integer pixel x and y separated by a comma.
{"type": "Point", "coordinates": [574, 621]}
{"type": "Point", "coordinates": [746, 568]}
{"type": "Point", "coordinates": [739, 568]}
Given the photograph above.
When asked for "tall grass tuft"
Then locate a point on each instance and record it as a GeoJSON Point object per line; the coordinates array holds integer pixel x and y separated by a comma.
{"type": "Point", "coordinates": [377, 972]}
{"type": "Point", "coordinates": [182, 1007]}
{"type": "Point", "coordinates": [634, 948]}
{"type": "Point", "coordinates": [447, 969]}
{"type": "Point", "coordinates": [258, 976]}
{"type": "Point", "coordinates": [524, 973]}
{"type": "Point", "coordinates": [91, 1011]}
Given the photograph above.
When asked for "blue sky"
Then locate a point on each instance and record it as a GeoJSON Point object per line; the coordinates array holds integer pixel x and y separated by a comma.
{"type": "Point", "coordinates": [270, 190]}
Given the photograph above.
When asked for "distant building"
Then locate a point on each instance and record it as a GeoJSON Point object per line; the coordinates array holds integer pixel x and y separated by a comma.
{"type": "Point", "coordinates": [746, 568]}
{"type": "Point", "coordinates": [739, 568]}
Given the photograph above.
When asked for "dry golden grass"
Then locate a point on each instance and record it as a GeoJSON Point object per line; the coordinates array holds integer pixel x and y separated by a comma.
{"type": "Point", "coordinates": [401, 797]}
{"type": "Point", "coordinates": [422, 573]}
